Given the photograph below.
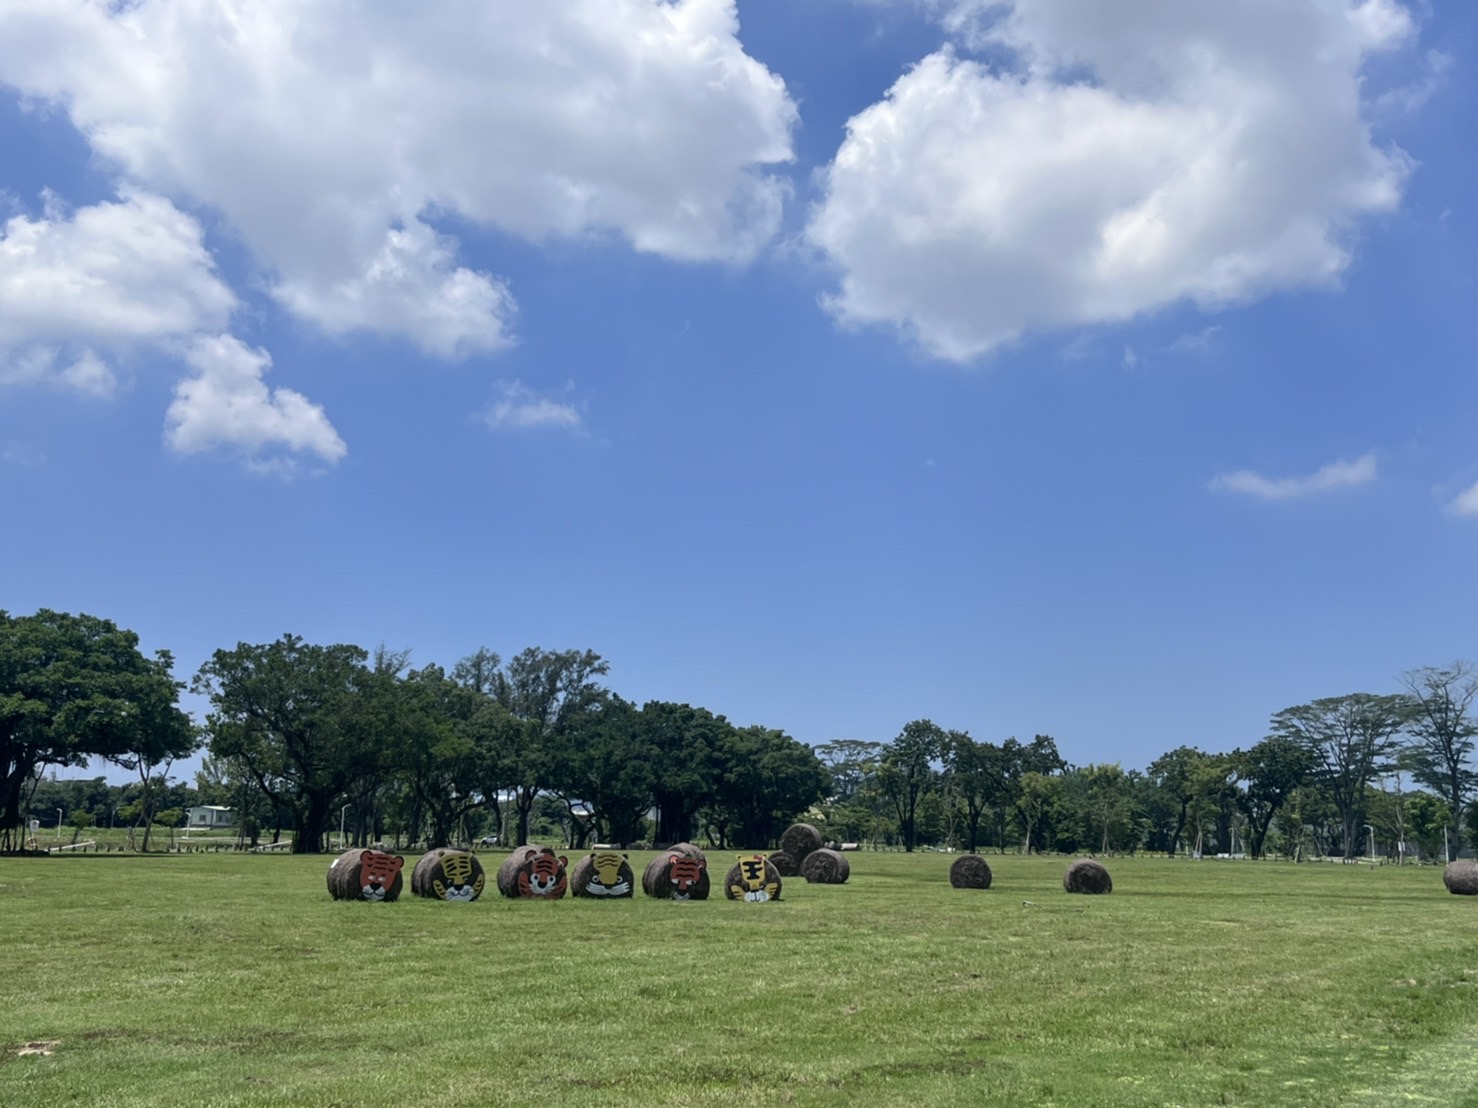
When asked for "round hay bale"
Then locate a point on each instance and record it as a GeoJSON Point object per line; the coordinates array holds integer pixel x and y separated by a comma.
{"type": "Point", "coordinates": [799, 840]}
{"type": "Point", "coordinates": [361, 874]}
{"type": "Point", "coordinates": [787, 865]}
{"type": "Point", "coordinates": [674, 875]}
{"type": "Point", "coordinates": [752, 878]}
{"type": "Point", "coordinates": [970, 871]}
{"type": "Point", "coordinates": [687, 850]}
{"type": "Point", "coordinates": [447, 874]}
{"type": "Point", "coordinates": [1087, 876]}
{"type": "Point", "coordinates": [603, 875]}
{"type": "Point", "coordinates": [533, 872]}
{"type": "Point", "coordinates": [1461, 877]}
{"type": "Point", "coordinates": [825, 867]}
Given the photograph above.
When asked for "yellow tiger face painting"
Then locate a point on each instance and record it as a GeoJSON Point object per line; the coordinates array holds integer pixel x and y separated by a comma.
{"type": "Point", "coordinates": [459, 880]}
{"type": "Point", "coordinates": [754, 882]}
{"type": "Point", "coordinates": [608, 880]}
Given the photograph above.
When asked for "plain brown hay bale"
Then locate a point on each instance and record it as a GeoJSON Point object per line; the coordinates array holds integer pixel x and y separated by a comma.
{"type": "Point", "coordinates": [1087, 876]}
{"type": "Point", "coordinates": [603, 875]}
{"type": "Point", "coordinates": [533, 872]}
{"type": "Point", "coordinates": [674, 875]}
{"type": "Point", "coordinates": [447, 874]}
{"type": "Point", "coordinates": [799, 840]}
{"type": "Point", "coordinates": [826, 867]}
{"type": "Point", "coordinates": [361, 874]}
{"type": "Point", "coordinates": [786, 864]}
{"type": "Point", "coordinates": [752, 878]}
{"type": "Point", "coordinates": [970, 871]}
{"type": "Point", "coordinates": [1461, 877]}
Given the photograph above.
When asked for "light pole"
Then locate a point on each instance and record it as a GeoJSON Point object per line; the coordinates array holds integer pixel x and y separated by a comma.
{"type": "Point", "coordinates": [59, 824]}
{"type": "Point", "coordinates": [1372, 841]}
{"type": "Point", "coordinates": [342, 813]}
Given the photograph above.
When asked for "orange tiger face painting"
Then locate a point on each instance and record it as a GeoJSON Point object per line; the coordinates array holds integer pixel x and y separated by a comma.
{"type": "Point", "coordinates": [686, 875]}
{"type": "Point", "coordinates": [377, 873]}
{"type": "Point", "coordinates": [545, 876]}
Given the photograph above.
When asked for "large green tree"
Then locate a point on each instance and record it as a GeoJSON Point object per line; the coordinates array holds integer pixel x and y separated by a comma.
{"type": "Point", "coordinates": [686, 744]}
{"type": "Point", "coordinates": [908, 771]}
{"type": "Point", "coordinates": [73, 687]}
{"type": "Point", "coordinates": [547, 692]}
{"type": "Point", "coordinates": [1441, 730]}
{"type": "Point", "coordinates": [1352, 740]}
{"type": "Point", "coordinates": [766, 779]}
{"type": "Point", "coordinates": [1270, 772]}
{"type": "Point", "coordinates": [306, 721]}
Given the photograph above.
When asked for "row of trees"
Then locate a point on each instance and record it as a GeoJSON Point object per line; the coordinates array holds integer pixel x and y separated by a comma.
{"type": "Point", "coordinates": [1329, 776]}
{"type": "Point", "coordinates": [302, 735]}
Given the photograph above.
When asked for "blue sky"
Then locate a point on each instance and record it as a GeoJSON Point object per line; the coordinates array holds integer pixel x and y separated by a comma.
{"type": "Point", "coordinates": [829, 364]}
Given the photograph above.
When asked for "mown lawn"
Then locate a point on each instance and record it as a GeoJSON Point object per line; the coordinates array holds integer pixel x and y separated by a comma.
{"type": "Point", "coordinates": [235, 980]}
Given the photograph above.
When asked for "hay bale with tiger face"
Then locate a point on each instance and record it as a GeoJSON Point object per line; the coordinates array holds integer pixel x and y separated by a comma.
{"type": "Point", "coordinates": [533, 873]}
{"type": "Point", "coordinates": [1461, 877]}
{"type": "Point", "coordinates": [676, 876]}
{"type": "Point", "coordinates": [825, 867]}
{"type": "Point", "coordinates": [754, 879]}
{"type": "Point", "coordinates": [603, 875]}
{"type": "Point", "coordinates": [447, 874]}
{"type": "Point", "coordinates": [1087, 876]}
{"type": "Point", "coordinates": [687, 850]}
{"type": "Point", "coordinates": [361, 874]}
{"type": "Point", "coordinates": [799, 840]}
{"type": "Point", "coordinates": [970, 871]}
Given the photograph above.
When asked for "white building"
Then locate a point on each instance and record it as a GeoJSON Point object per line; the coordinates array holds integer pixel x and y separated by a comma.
{"type": "Point", "coordinates": [208, 817]}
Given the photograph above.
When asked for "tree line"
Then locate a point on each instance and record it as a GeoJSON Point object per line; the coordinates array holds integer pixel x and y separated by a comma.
{"type": "Point", "coordinates": [1331, 777]}
{"type": "Point", "coordinates": [311, 739]}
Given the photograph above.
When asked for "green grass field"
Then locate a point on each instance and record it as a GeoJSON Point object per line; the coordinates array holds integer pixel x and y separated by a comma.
{"type": "Point", "coordinates": [235, 980]}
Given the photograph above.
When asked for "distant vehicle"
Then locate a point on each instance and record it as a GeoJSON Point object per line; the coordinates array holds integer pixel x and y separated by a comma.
{"type": "Point", "coordinates": [488, 840]}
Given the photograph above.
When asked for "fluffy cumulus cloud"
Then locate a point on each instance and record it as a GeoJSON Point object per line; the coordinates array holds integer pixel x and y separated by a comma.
{"type": "Point", "coordinates": [1336, 475]}
{"type": "Point", "coordinates": [335, 135]}
{"type": "Point", "coordinates": [1109, 159]}
{"type": "Point", "coordinates": [79, 287]}
{"type": "Point", "coordinates": [225, 403]}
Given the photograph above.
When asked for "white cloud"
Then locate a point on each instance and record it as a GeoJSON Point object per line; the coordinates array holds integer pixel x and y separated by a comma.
{"type": "Point", "coordinates": [333, 135]}
{"type": "Point", "coordinates": [1335, 475]}
{"type": "Point", "coordinates": [226, 404]}
{"type": "Point", "coordinates": [1466, 502]}
{"type": "Point", "coordinates": [520, 408]}
{"type": "Point", "coordinates": [1197, 342]}
{"type": "Point", "coordinates": [1123, 156]}
{"type": "Point", "coordinates": [110, 277]}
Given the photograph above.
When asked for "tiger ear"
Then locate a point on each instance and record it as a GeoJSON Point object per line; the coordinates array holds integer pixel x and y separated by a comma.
{"type": "Point", "coordinates": [563, 861]}
{"type": "Point", "coordinates": [672, 858]}
{"type": "Point", "coordinates": [399, 861]}
{"type": "Point", "coordinates": [703, 863]}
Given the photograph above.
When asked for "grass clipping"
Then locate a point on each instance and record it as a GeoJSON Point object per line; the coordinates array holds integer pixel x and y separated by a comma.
{"type": "Point", "coordinates": [825, 867]}
{"type": "Point", "coordinates": [1461, 877]}
{"type": "Point", "coordinates": [970, 871]}
{"type": "Point", "coordinates": [1087, 876]}
{"type": "Point", "coordinates": [447, 874]}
